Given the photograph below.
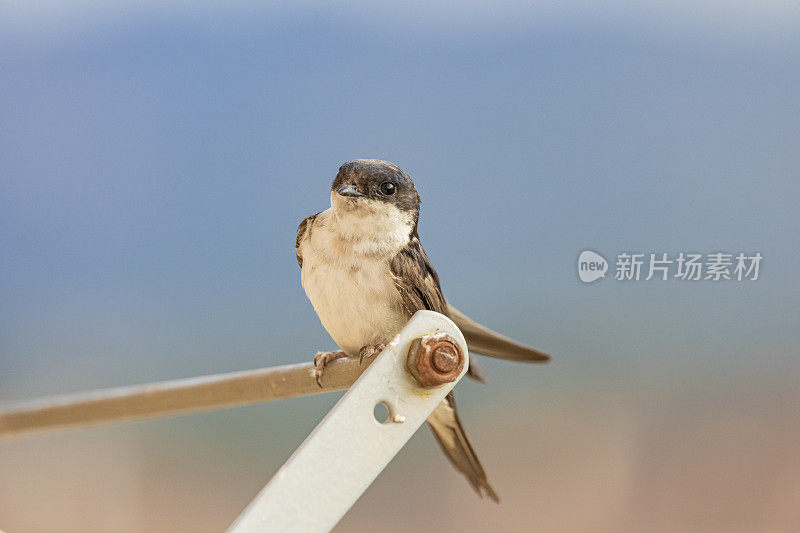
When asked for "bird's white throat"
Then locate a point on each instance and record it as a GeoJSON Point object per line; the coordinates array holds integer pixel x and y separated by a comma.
{"type": "Point", "coordinates": [368, 227]}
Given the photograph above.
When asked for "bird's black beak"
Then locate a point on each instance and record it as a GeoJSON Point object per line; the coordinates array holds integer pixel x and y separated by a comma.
{"type": "Point", "coordinates": [351, 190]}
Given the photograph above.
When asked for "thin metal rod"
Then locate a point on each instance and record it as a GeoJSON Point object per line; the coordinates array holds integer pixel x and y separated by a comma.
{"type": "Point", "coordinates": [175, 397]}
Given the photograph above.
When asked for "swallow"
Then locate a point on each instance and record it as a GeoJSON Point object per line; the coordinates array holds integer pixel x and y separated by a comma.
{"type": "Point", "coordinates": [365, 272]}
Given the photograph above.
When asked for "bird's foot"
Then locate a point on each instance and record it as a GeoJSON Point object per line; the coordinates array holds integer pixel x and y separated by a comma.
{"type": "Point", "coordinates": [321, 360]}
{"type": "Point", "coordinates": [369, 350]}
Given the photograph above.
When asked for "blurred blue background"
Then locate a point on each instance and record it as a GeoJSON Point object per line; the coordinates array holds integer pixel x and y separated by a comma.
{"type": "Point", "coordinates": [154, 164]}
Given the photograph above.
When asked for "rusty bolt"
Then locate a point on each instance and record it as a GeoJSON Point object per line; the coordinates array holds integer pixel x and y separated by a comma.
{"type": "Point", "coordinates": [435, 359]}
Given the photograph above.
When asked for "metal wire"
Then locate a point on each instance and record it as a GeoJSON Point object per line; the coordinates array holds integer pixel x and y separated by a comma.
{"type": "Point", "coordinates": [174, 397]}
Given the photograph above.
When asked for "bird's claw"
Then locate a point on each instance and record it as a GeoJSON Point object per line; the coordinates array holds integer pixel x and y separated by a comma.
{"type": "Point", "coordinates": [369, 350]}
{"type": "Point", "coordinates": [321, 360]}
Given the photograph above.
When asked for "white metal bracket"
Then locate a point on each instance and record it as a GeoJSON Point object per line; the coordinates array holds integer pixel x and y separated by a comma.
{"type": "Point", "coordinates": [347, 450]}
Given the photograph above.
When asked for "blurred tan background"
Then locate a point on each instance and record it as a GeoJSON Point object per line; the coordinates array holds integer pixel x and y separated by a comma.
{"type": "Point", "coordinates": [594, 464]}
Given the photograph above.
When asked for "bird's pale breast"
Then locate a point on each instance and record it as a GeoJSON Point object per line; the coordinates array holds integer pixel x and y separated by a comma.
{"type": "Point", "coordinates": [353, 294]}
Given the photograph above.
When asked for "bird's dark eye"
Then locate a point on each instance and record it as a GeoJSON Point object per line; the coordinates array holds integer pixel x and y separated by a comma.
{"type": "Point", "coordinates": [388, 188]}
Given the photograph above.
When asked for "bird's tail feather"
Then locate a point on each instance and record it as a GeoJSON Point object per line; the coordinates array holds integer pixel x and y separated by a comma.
{"type": "Point", "coordinates": [481, 339]}
{"type": "Point", "coordinates": [447, 428]}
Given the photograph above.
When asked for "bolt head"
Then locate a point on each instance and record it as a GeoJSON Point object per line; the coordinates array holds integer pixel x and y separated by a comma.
{"type": "Point", "coordinates": [435, 359]}
{"type": "Point", "coordinates": [444, 358]}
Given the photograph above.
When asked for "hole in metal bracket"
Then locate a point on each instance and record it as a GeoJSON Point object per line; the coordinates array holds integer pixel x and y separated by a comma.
{"type": "Point", "coordinates": [381, 412]}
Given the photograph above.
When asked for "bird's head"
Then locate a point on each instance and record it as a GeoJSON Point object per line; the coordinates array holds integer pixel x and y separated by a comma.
{"type": "Point", "coordinates": [375, 191]}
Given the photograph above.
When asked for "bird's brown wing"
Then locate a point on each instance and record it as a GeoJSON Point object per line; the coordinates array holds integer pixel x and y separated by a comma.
{"type": "Point", "coordinates": [416, 280]}
{"type": "Point", "coordinates": [418, 284]}
{"type": "Point", "coordinates": [449, 432]}
{"type": "Point", "coordinates": [303, 229]}
{"type": "Point", "coordinates": [482, 340]}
